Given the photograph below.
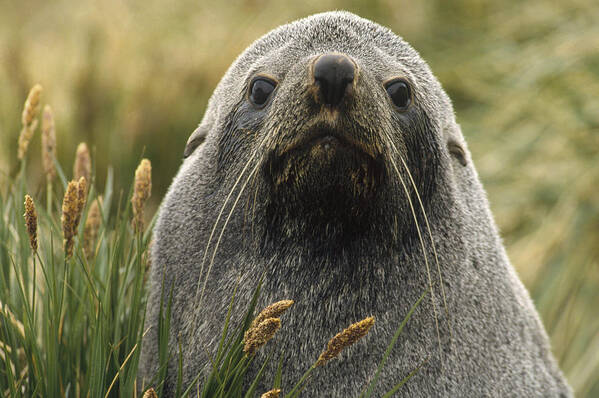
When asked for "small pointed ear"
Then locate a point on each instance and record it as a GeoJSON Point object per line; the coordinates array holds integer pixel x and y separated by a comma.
{"type": "Point", "coordinates": [196, 138]}
{"type": "Point", "coordinates": [456, 150]}
{"type": "Point", "coordinates": [456, 146]}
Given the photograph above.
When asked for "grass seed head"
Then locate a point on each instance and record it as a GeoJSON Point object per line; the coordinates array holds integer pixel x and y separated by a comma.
{"type": "Point", "coordinates": [83, 163]}
{"type": "Point", "coordinates": [274, 310]}
{"type": "Point", "coordinates": [92, 226]}
{"type": "Point", "coordinates": [150, 393]}
{"type": "Point", "coordinates": [271, 394]}
{"type": "Point", "coordinates": [81, 198]}
{"type": "Point", "coordinates": [344, 339]}
{"type": "Point", "coordinates": [29, 120]}
{"type": "Point", "coordinates": [259, 335]}
{"type": "Point", "coordinates": [31, 222]}
{"type": "Point", "coordinates": [72, 207]}
{"type": "Point", "coordinates": [48, 143]}
{"type": "Point", "coordinates": [141, 192]}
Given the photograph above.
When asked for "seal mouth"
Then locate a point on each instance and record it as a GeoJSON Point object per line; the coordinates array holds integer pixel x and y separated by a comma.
{"type": "Point", "coordinates": [328, 139]}
{"type": "Point", "coordinates": [323, 159]}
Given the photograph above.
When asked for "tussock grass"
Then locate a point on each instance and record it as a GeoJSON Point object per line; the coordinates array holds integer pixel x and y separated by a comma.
{"type": "Point", "coordinates": [70, 321]}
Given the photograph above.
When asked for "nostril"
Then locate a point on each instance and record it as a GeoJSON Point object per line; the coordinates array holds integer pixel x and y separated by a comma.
{"type": "Point", "coordinates": [332, 74]}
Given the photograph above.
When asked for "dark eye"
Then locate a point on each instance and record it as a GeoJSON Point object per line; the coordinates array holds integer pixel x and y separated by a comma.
{"type": "Point", "coordinates": [260, 90]}
{"type": "Point", "coordinates": [400, 93]}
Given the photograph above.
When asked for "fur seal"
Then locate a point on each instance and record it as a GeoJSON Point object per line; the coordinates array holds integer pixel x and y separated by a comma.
{"type": "Point", "coordinates": [329, 160]}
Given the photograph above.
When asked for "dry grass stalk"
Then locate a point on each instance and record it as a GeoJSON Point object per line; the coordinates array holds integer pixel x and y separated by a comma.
{"type": "Point", "coordinates": [271, 394]}
{"type": "Point", "coordinates": [258, 336]}
{"type": "Point", "coordinates": [10, 317]}
{"type": "Point", "coordinates": [141, 192]}
{"type": "Point", "coordinates": [344, 339]}
{"type": "Point", "coordinates": [48, 143]}
{"type": "Point", "coordinates": [31, 222]}
{"type": "Point", "coordinates": [83, 163]}
{"type": "Point", "coordinates": [29, 120]}
{"type": "Point", "coordinates": [72, 207]}
{"type": "Point", "coordinates": [4, 349]}
{"type": "Point", "coordinates": [274, 310]}
{"type": "Point", "coordinates": [7, 357]}
{"type": "Point", "coordinates": [92, 226]}
{"type": "Point", "coordinates": [150, 393]}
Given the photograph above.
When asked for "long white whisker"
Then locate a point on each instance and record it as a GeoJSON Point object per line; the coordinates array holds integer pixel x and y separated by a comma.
{"type": "Point", "coordinates": [428, 273]}
{"type": "Point", "coordinates": [222, 209]}
{"type": "Point", "coordinates": [254, 208]}
{"type": "Point", "coordinates": [433, 244]}
{"type": "Point", "coordinates": [224, 228]}
{"type": "Point", "coordinates": [428, 227]}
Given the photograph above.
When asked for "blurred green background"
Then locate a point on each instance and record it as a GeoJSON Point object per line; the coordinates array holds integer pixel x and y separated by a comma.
{"type": "Point", "coordinates": [129, 76]}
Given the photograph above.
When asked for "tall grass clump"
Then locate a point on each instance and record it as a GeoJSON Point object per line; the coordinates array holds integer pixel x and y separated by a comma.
{"type": "Point", "coordinates": [71, 277]}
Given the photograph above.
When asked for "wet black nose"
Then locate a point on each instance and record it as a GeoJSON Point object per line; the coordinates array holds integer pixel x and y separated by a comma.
{"type": "Point", "coordinates": [333, 73]}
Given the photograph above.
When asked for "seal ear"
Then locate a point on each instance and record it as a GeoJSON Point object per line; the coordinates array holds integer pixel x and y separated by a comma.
{"type": "Point", "coordinates": [197, 137]}
{"type": "Point", "coordinates": [456, 150]}
{"type": "Point", "coordinates": [455, 142]}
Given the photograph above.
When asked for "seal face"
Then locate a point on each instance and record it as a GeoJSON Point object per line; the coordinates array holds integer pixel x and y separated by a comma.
{"type": "Point", "coordinates": [329, 162]}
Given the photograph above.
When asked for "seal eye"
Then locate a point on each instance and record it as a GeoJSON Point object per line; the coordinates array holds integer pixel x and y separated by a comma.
{"type": "Point", "coordinates": [260, 90]}
{"type": "Point", "coordinates": [400, 93]}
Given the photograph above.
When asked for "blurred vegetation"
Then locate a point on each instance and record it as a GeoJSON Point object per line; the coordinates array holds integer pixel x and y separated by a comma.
{"type": "Point", "coordinates": [133, 76]}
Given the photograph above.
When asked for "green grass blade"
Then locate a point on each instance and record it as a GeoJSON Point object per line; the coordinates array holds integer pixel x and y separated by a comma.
{"type": "Point", "coordinates": [404, 381]}
{"type": "Point", "coordinates": [374, 381]}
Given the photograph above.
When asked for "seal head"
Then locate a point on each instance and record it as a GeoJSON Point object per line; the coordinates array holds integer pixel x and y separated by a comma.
{"type": "Point", "coordinates": [329, 163]}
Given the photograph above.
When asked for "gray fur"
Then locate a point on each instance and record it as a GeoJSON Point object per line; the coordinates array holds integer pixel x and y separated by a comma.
{"type": "Point", "coordinates": [491, 341]}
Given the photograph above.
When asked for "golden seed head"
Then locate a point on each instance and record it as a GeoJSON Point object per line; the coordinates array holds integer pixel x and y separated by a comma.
{"type": "Point", "coordinates": [259, 335]}
{"type": "Point", "coordinates": [31, 106]}
{"type": "Point", "coordinates": [31, 222]}
{"type": "Point", "coordinates": [24, 138]}
{"type": "Point", "coordinates": [69, 214]}
{"type": "Point", "coordinates": [141, 192]}
{"type": "Point", "coordinates": [48, 143]}
{"type": "Point", "coordinates": [72, 207]}
{"type": "Point", "coordinates": [274, 310]}
{"type": "Point", "coordinates": [29, 120]}
{"type": "Point", "coordinates": [83, 163]}
{"type": "Point", "coordinates": [150, 393]}
{"type": "Point", "coordinates": [81, 197]}
{"type": "Point", "coordinates": [344, 339]}
{"type": "Point", "coordinates": [92, 225]}
{"type": "Point", "coordinates": [271, 394]}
